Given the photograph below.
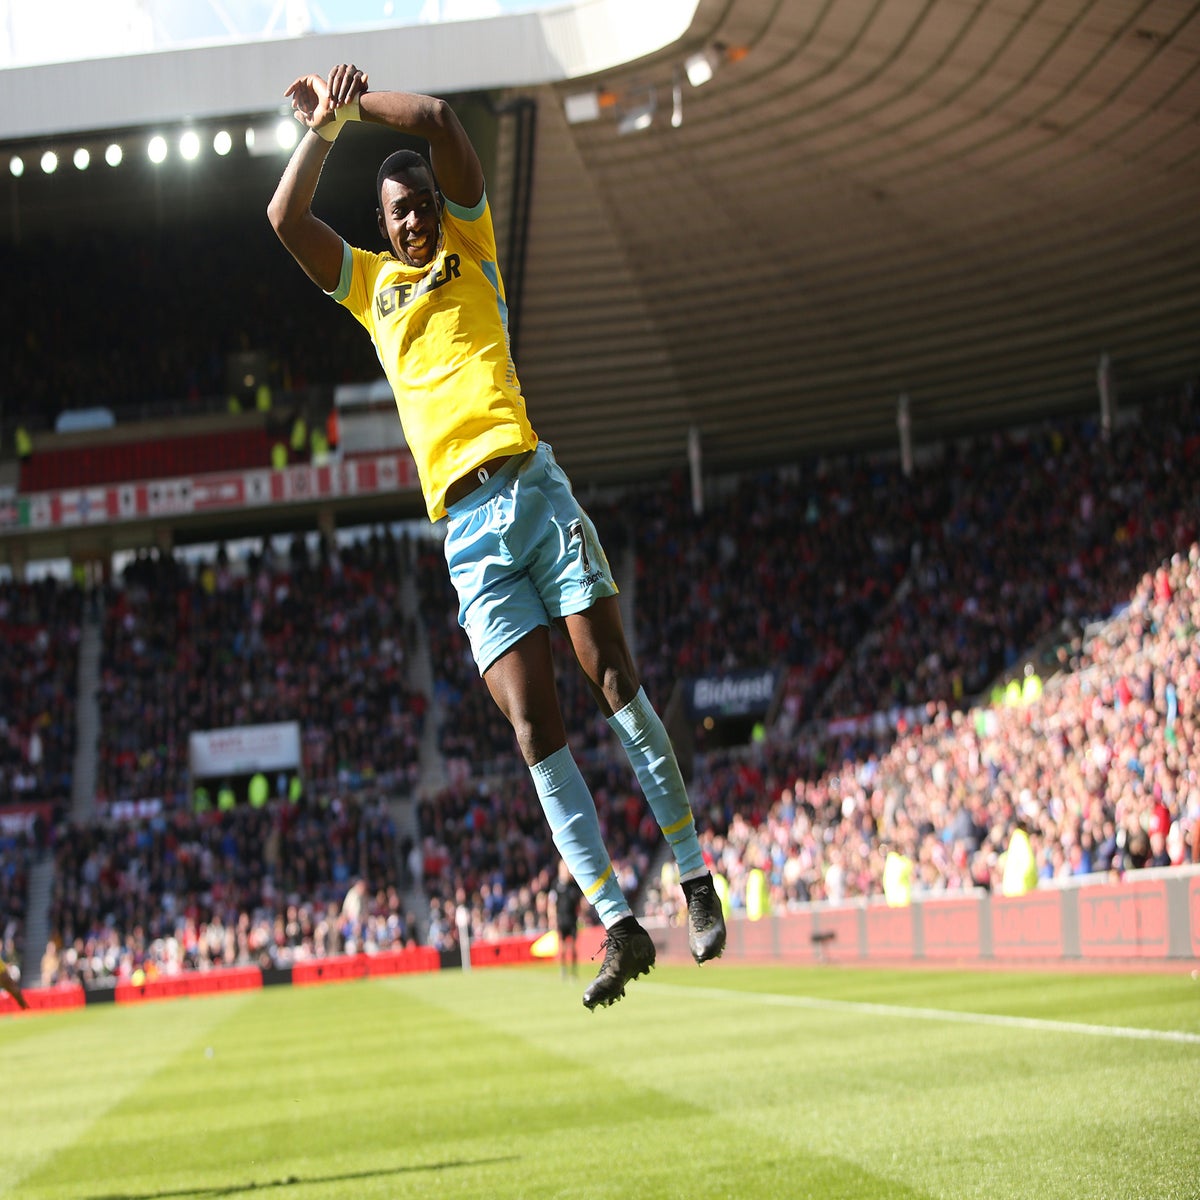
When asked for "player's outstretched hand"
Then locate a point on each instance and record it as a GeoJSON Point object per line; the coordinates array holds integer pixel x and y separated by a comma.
{"type": "Point", "coordinates": [311, 104]}
{"type": "Point", "coordinates": [346, 83]}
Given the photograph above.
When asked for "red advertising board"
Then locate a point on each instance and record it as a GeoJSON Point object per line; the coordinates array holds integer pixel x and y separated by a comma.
{"type": "Point", "coordinates": [211, 493]}
{"type": "Point", "coordinates": [504, 953]}
{"type": "Point", "coordinates": [795, 936]}
{"type": "Point", "coordinates": [1194, 914]}
{"type": "Point", "coordinates": [190, 983]}
{"type": "Point", "coordinates": [889, 932]}
{"type": "Point", "coordinates": [341, 967]}
{"type": "Point", "coordinates": [952, 928]}
{"type": "Point", "coordinates": [1125, 921]}
{"type": "Point", "coordinates": [842, 923]}
{"type": "Point", "coordinates": [1027, 926]}
{"type": "Point", "coordinates": [64, 995]}
{"type": "Point", "coordinates": [329, 970]}
{"type": "Point", "coordinates": [758, 939]}
{"type": "Point", "coordinates": [409, 961]}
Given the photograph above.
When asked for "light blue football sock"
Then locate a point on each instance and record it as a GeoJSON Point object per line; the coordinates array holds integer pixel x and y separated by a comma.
{"type": "Point", "coordinates": [575, 827]}
{"type": "Point", "coordinates": [644, 736]}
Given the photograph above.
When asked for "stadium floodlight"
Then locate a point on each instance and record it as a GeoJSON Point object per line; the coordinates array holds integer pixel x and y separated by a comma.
{"type": "Point", "coordinates": [222, 142]}
{"type": "Point", "coordinates": [16, 166]}
{"type": "Point", "coordinates": [156, 148]}
{"type": "Point", "coordinates": [189, 145]}
{"type": "Point", "coordinates": [640, 114]}
{"type": "Point", "coordinates": [287, 133]}
{"type": "Point", "coordinates": [113, 154]}
{"type": "Point", "coordinates": [82, 158]}
{"type": "Point", "coordinates": [582, 106]}
{"type": "Point", "coordinates": [587, 106]}
{"type": "Point", "coordinates": [699, 68]}
{"type": "Point", "coordinates": [49, 162]}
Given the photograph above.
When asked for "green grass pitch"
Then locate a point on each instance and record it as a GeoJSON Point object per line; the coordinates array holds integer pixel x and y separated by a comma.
{"type": "Point", "coordinates": [722, 1082]}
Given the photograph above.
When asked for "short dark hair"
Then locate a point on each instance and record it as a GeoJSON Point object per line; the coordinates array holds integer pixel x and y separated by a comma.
{"type": "Point", "coordinates": [401, 162]}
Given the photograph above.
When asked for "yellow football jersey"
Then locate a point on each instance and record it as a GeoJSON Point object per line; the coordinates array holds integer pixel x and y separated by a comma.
{"type": "Point", "coordinates": [441, 333]}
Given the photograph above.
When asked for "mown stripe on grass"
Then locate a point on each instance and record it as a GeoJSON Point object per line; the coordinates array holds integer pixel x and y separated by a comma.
{"type": "Point", "coordinates": [951, 1016]}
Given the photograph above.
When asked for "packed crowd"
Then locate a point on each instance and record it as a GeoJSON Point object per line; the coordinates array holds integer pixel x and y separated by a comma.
{"type": "Point", "coordinates": [955, 571]}
{"type": "Point", "coordinates": [823, 554]}
{"type": "Point", "coordinates": [1101, 770]}
{"type": "Point", "coordinates": [1055, 525]}
{"type": "Point", "coordinates": [878, 590]}
{"type": "Point", "coordinates": [318, 639]}
{"type": "Point", "coordinates": [16, 857]}
{"type": "Point", "coordinates": [486, 849]}
{"type": "Point", "coordinates": [785, 567]}
{"type": "Point", "coordinates": [267, 887]}
{"type": "Point", "coordinates": [40, 626]}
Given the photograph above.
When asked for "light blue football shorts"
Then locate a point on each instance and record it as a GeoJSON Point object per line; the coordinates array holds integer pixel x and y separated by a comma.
{"type": "Point", "coordinates": [522, 551]}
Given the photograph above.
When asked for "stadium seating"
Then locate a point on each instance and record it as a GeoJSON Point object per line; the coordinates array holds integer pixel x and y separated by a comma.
{"type": "Point", "coordinates": [159, 458]}
{"type": "Point", "coordinates": [40, 627]}
{"type": "Point", "coordinates": [879, 592]}
{"type": "Point", "coordinates": [16, 857]}
{"type": "Point", "coordinates": [268, 887]}
{"type": "Point", "coordinates": [321, 642]}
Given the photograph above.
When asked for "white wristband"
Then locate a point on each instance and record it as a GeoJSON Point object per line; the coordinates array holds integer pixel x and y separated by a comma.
{"type": "Point", "coordinates": [347, 112]}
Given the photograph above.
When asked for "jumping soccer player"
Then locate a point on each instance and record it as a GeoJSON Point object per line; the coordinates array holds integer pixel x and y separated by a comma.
{"type": "Point", "coordinates": [520, 549]}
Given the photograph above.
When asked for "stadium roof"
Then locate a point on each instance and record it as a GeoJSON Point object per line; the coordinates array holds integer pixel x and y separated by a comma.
{"type": "Point", "coordinates": [968, 203]}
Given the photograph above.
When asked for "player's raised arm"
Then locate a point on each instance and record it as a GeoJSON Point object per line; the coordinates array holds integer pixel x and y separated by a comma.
{"type": "Point", "coordinates": [322, 108]}
{"type": "Point", "coordinates": [453, 158]}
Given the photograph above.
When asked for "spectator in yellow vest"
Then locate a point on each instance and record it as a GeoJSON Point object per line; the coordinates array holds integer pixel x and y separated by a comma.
{"type": "Point", "coordinates": [897, 879]}
{"type": "Point", "coordinates": [259, 790]}
{"type": "Point", "coordinates": [758, 896]}
{"type": "Point", "coordinates": [1020, 864]}
{"type": "Point", "coordinates": [299, 435]}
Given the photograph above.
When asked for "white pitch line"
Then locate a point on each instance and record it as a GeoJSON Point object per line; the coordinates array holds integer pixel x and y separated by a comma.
{"type": "Point", "coordinates": [931, 1014]}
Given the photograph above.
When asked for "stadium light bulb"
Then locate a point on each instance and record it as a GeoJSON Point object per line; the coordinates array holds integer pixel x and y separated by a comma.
{"type": "Point", "coordinates": [222, 142]}
{"type": "Point", "coordinates": [82, 158]}
{"type": "Point", "coordinates": [49, 162]}
{"type": "Point", "coordinates": [582, 106]}
{"type": "Point", "coordinates": [16, 166]}
{"type": "Point", "coordinates": [113, 155]}
{"type": "Point", "coordinates": [157, 148]}
{"type": "Point", "coordinates": [639, 115]}
{"type": "Point", "coordinates": [287, 133]}
{"type": "Point", "coordinates": [699, 68]}
{"type": "Point", "coordinates": [189, 145]}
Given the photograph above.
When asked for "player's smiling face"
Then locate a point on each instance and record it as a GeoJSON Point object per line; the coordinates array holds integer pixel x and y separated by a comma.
{"type": "Point", "coordinates": [410, 217]}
